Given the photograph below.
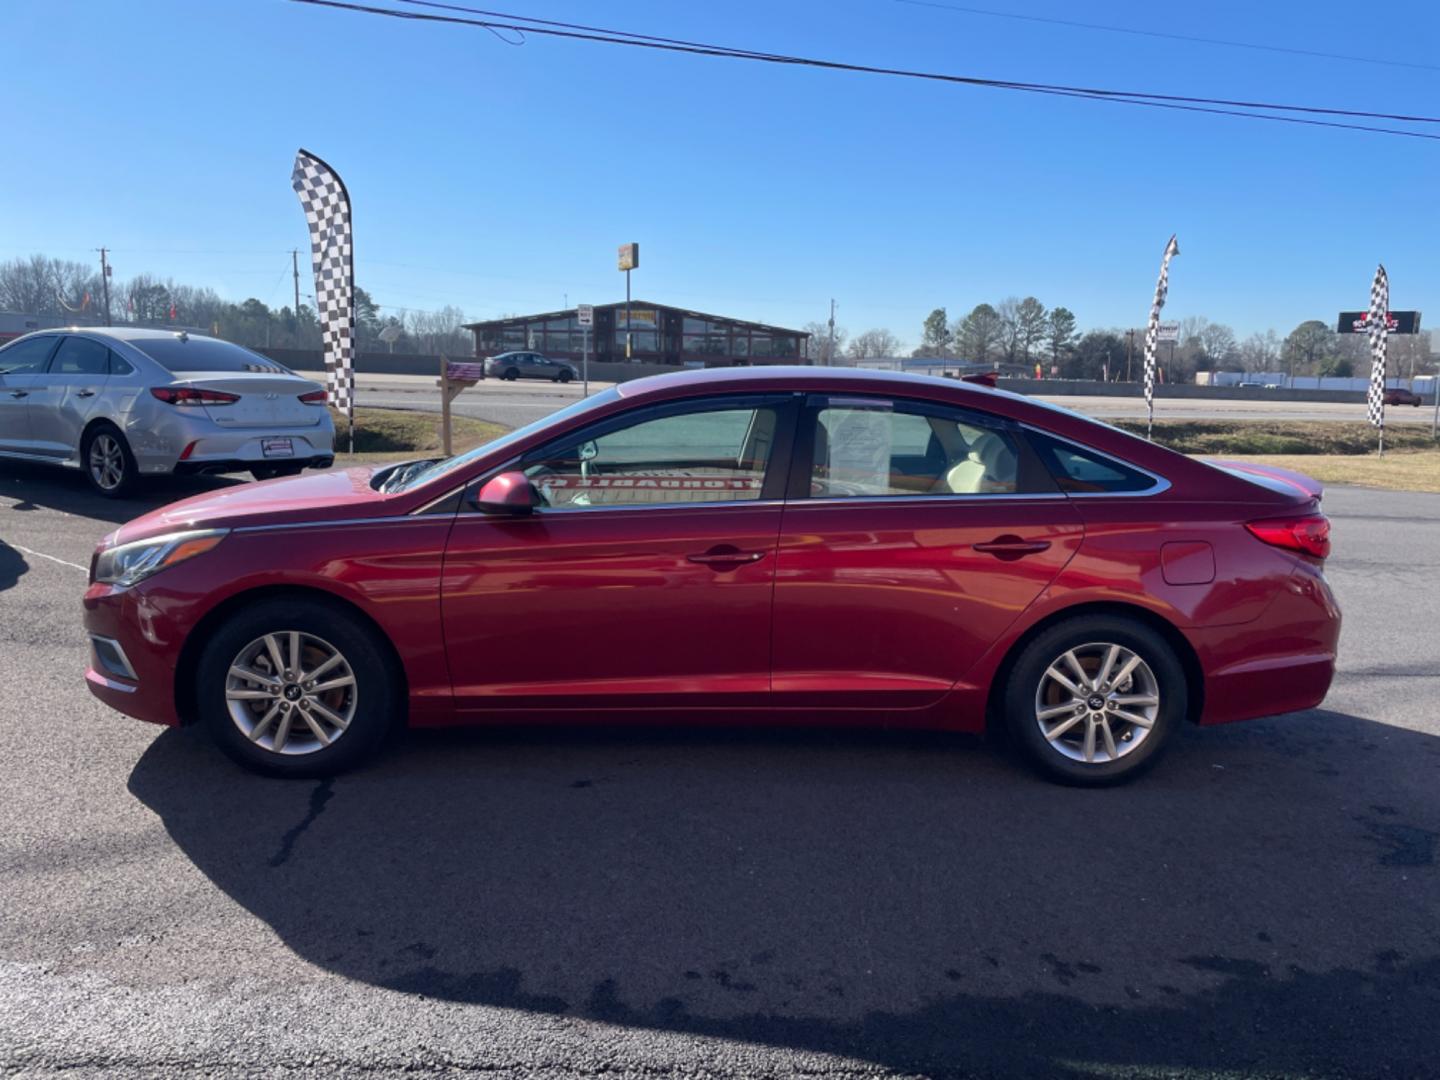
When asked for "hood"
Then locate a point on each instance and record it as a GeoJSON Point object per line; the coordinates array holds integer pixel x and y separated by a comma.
{"type": "Point", "coordinates": [315, 496]}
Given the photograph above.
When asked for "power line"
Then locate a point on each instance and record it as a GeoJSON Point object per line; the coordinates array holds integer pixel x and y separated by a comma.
{"type": "Point", "coordinates": [1189, 103]}
{"type": "Point", "coordinates": [1167, 36]}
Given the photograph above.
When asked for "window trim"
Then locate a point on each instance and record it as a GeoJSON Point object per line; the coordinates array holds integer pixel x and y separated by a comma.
{"type": "Point", "coordinates": [1158, 486]}
{"type": "Point", "coordinates": [772, 486]}
{"type": "Point", "coordinates": [797, 490]}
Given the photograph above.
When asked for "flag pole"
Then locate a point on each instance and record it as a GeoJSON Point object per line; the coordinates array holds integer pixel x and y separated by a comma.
{"type": "Point", "coordinates": [1152, 330]}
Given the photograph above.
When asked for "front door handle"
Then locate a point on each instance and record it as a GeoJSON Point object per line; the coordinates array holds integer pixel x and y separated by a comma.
{"type": "Point", "coordinates": [19, 393]}
{"type": "Point", "coordinates": [1010, 547]}
{"type": "Point", "coordinates": [85, 393]}
{"type": "Point", "coordinates": [725, 557]}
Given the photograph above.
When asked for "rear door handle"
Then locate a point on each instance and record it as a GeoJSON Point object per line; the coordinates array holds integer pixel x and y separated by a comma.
{"type": "Point", "coordinates": [19, 393]}
{"type": "Point", "coordinates": [1011, 547]}
{"type": "Point", "coordinates": [725, 557]}
{"type": "Point", "coordinates": [85, 393]}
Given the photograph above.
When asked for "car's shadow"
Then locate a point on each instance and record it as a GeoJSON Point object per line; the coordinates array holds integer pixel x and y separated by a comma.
{"type": "Point", "coordinates": [12, 566]}
{"type": "Point", "coordinates": [1265, 901]}
{"type": "Point", "coordinates": [48, 487]}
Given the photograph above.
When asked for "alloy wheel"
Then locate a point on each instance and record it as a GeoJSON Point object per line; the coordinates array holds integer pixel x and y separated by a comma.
{"type": "Point", "coordinates": [291, 692]}
{"type": "Point", "coordinates": [1097, 702]}
{"type": "Point", "coordinates": [107, 461]}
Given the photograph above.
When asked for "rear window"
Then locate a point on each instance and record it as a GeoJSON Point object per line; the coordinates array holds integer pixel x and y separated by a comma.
{"type": "Point", "coordinates": [1085, 472]}
{"type": "Point", "coordinates": [205, 354]}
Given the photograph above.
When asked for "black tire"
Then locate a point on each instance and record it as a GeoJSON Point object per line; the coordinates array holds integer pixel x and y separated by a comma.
{"type": "Point", "coordinates": [511, 373]}
{"type": "Point", "coordinates": [564, 377]}
{"type": "Point", "coordinates": [1024, 693]}
{"type": "Point", "coordinates": [270, 472]}
{"type": "Point", "coordinates": [377, 703]}
{"type": "Point", "coordinates": [106, 435]}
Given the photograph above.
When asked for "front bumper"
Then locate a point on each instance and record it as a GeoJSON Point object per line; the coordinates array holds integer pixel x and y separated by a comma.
{"type": "Point", "coordinates": [145, 640]}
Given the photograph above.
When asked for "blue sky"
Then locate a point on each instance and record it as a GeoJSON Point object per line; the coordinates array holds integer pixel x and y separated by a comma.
{"type": "Point", "coordinates": [501, 178]}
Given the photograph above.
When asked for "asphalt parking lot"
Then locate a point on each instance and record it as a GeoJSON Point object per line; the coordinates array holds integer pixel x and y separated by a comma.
{"type": "Point", "coordinates": [1267, 902]}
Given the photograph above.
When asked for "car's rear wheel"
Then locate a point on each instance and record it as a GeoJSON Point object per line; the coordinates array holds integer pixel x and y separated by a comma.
{"type": "Point", "coordinates": [563, 377]}
{"type": "Point", "coordinates": [108, 463]}
{"type": "Point", "coordinates": [1094, 700]}
{"type": "Point", "coordinates": [297, 688]}
{"type": "Point", "coordinates": [511, 373]}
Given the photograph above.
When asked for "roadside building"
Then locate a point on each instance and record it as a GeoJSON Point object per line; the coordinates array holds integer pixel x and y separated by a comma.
{"type": "Point", "coordinates": [659, 335]}
{"type": "Point", "coordinates": [15, 323]}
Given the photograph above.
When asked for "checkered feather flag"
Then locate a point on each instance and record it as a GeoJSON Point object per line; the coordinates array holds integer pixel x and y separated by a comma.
{"type": "Point", "coordinates": [1377, 323]}
{"type": "Point", "coordinates": [1152, 332]}
{"type": "Point", "coordinates": [327, 209]}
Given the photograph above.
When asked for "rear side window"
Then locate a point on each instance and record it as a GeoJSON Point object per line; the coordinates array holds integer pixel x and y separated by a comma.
{"type": "Point", "coordinates": [1084, 472]}
{"type": "Point", "coordinates": [185, 353]}
{"type": "Point", "coordinates": [120, 366]}
{"type": "Point", "coordinates": [80, 356]}
{"type": "Point", "coordinates": [26, 357]}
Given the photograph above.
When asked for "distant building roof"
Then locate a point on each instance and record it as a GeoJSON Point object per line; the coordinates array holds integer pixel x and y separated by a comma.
{"type": "Point", "coordinates": [637, 303]}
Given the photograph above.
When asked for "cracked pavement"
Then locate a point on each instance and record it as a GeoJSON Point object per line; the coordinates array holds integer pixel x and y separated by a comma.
{"type": "Point", "coordinates": [644, 903]}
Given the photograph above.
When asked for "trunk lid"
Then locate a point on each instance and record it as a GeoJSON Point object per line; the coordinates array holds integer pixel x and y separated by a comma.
{"type": "Point", "coordinates": [1273, 478]}
{"type": "Point", "coordinates": [266, 400]}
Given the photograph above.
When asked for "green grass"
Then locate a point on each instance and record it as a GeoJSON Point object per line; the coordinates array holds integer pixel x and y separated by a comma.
{"type": "Point", "coordinates": [1293, 438]}
{"type": "Point", "coordinates": [1404, 470]}
{"type": "Point", "coordinates": [383, 435]}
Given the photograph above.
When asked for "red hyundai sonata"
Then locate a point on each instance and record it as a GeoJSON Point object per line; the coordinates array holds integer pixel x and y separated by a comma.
{"type": "Point", "coordinates": [778, 545]}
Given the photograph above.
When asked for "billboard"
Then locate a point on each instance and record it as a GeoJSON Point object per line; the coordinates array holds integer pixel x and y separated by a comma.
{"type": "Point", "coordinates": [1168, 331]}
{"type": "Point", "coordinates": [629, 256]}
{"type": "Point", "coordinates": [1401, 322]}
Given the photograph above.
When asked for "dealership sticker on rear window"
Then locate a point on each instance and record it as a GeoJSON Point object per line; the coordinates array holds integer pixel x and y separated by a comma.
{"type": "Point", "coordinates": [277, 447]}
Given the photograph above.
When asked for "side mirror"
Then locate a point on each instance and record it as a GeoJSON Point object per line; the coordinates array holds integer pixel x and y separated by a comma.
{"type": "Point", "coordinates": [510, 494]}
{"type": "Point", "coordinates": [588, 451]}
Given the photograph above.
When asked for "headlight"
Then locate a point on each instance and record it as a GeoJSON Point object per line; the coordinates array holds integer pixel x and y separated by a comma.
{"type": "Point", "coordinates": [129, 564]}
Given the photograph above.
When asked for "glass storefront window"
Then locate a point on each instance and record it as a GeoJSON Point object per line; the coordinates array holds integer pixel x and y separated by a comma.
{"type": "Point", "coordinates": [707, 344]}
{"type": "Point", "coordinates": [641, 341]}
{"type": "Point", "coordinates": [785, 345]}
{"type": "Point", "coordinates": [760, 345]}
{"type": "Point", "coordinates": [513, 337]}
{"type": "Point", "coordinates": [741, 343]}
{"type": "Point", "coordinates": [563, 341]}
{"type": "Point", "coordinates": [560, 324]}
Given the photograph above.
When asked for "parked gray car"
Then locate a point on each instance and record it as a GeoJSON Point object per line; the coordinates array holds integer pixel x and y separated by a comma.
{"type": "Point", "coordinates": [121, 403]}
{"type": "Point", "coordinates": [529, 365]}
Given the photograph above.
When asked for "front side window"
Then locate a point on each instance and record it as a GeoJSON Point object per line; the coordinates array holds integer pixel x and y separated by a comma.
{"type": "Point", "coordinates": [80, 356]}
{"type": "Point", "coordinates": [869, 448]}
{"type": "Point", "coordinates": [700, 456]}
{"type": "Point", "coordinates": [26, 357]}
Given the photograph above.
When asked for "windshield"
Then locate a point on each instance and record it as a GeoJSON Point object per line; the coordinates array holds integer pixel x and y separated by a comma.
{"type": "Point", "coordinates": [436, 470]}
{"type": "Point", "coordinates": [185, 353]}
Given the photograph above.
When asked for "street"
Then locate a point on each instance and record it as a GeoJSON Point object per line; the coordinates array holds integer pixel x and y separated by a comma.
{"type": "Point", "coordinates": [516, 403]}
{"type": "Point", "coordinates": [636, 903]}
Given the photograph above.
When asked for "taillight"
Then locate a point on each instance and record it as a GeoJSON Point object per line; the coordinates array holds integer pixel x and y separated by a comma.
{"type": "Point", "coordinates": [1309, 535]}
{"type": "Point", "coordinates": [314, 397]}
{"type": "Point", "coordinates": [189, 395]}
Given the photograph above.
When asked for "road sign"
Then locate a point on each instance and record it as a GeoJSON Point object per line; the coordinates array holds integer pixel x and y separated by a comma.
{"type": "Point", "coordinates": [1168, 331]}
{"type": "Point", "coordinates": [1357, 322]}
{"type": "Point", "coordinates": [585, 315]}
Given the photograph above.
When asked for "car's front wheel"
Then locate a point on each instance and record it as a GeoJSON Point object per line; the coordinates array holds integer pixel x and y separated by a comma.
{"type": "Point", "coordinates": [295, 687]}
{"type": "Point", "coordinates": [108, 463]}
{"type": "Point", "coordinates": [563, 377]}
{"type": "Point", "coordinates": [1093, 700]}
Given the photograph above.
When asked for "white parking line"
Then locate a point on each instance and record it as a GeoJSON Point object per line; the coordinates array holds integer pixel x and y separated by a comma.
{"type": "Point", "coordinates": [52, 558]}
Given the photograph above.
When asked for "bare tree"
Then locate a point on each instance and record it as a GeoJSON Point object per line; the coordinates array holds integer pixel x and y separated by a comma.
{"type": "Point", "coordinates": [873, 343]}
{"type": "Point", "coordinates": [1009, 312]}
{"type": "Point", "coordinates": [1260, 352]}
{"type": "Point", "coordinates": [817, 348]}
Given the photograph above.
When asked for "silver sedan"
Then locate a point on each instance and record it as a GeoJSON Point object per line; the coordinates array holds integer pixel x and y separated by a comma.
{"type": "Point", "coordinates": [121, 403]}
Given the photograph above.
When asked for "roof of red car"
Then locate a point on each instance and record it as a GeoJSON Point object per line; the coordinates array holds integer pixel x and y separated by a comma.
{"type": "Point", "coordinates": [799, 376]}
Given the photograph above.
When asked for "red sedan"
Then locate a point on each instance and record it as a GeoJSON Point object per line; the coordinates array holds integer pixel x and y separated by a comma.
{"type": "Point", "coordinates": [781, 545]}
{"type": "Point", "coordinates": [1400, 396]}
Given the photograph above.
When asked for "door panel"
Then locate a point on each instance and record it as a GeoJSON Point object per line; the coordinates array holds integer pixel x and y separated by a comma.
{"type": "Point", "coordinates": [605, 609]}
{"type": "Point", "coordinates": [66, 394]}
{"type": "Point", "coordinates": [887, 603]}
{"type": "Point", "coordinates": [22, 363]}
{"type": "Point", "coordinates": [915, 536]}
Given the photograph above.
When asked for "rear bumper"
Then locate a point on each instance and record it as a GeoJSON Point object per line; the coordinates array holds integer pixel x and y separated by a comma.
{"type": "Point", "coordinates": [1283, 662]}
{"type": "Point", "coordinates": [194, 467]}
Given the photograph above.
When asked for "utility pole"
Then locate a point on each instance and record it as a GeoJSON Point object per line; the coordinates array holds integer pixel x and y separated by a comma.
{"type": "Point", "coordinates": [105, 283]}
{"type": "Point", "coordinates": [295, 267]}
{"type": "Point", "coordinates": [1129, 351]}
{"type": "Point", "coordinates": [830, 352]}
